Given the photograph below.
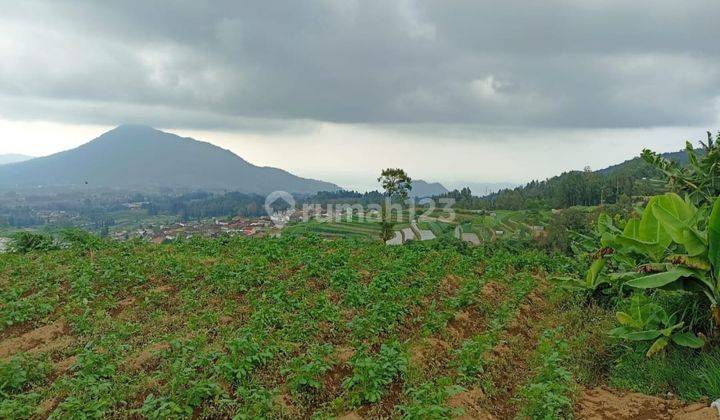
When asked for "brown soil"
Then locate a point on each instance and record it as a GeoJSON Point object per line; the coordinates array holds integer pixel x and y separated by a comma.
{"type": "Point", "coordinates": [146, 358]}
{"type": "Point", "coordinates": [126, 302]}
{"type": "Point", "coordinates": [449, 285]}
{"type": "Point", "coordinates": [285, 402]}
{"type": "Point", "coordinates": [16, 330]}
{"type": "Point", "coordinates": [428, 352]}
{"type": "Point", "coordinates": [163, 289]}
{"type": "Point", "coordinates": [350, 416]}
{"type": "Point", "coordinates": [64, 365]}
{"type": "Point", "coordinates": [332, 382]}
{"type": "Point", "coordinates": [47, 406]}
{"type": "Point", "coordinates": [386, 407]}
{"type": "Point", "coordinates": [46, 338]}
{"type": "Point", "coordinates": [466, 324]}
{"type": "Point", "coordinates": [602, 403]}
{"type": "Point", "coordinates": [344, 354]}
{"type": "Point", "coordinates": [122, 305]}
{"type": "Point", "coordinates": [469, 402]}
{"type": "Point", "coordinates": [52, 346]}
{"type": "Point", "coordinates": [493, 291]}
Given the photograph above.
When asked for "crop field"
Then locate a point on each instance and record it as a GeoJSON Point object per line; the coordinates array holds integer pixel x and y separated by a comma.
{"type": "Point", "coordinates": [439, 229]}
{"type": "Point", "coordinates": [343, 228]}
{"type": "Point", "coordinates": [305, 327]}
{"type": "Point", "coordinates": [279, 328]}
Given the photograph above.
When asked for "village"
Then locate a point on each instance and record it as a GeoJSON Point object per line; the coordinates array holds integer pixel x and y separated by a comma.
{"type": "Point", "coordinates": [256, 227]}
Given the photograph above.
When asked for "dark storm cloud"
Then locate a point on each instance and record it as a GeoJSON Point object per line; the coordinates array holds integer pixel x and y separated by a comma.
{"type": "Point", "coordinates": [186, 63]}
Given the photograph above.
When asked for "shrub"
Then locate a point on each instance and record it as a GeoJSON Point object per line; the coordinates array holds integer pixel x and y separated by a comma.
{"type": "Point", "coordinates": [24, 242]}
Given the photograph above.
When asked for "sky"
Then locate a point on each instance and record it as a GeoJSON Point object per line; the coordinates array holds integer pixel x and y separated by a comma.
{"type": "Point", "coordinates": [461, 91]}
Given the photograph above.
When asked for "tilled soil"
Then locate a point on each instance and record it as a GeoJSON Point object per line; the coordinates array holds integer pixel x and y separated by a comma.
{"type": "Point", "coordinates": [603, 403]}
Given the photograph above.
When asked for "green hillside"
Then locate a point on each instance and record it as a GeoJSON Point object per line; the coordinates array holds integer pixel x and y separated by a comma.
{"type": "Point", "coordinates": [633, 177]}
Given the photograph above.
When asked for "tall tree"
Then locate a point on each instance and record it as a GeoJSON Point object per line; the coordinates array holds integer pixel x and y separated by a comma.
{"type": "Point", "coordinates": [396, 184]}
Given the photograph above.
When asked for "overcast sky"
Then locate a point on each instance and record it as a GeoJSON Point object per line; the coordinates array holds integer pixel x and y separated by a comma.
{"type": "Point", "coordinates": [480, 91]}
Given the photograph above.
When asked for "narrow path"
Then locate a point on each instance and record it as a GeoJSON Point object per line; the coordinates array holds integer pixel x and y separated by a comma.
{"type": "Point", "coordinates": [396, 240]}
{"type": "Point", "coordinates": [472, 238]}
{"type": "Point", "coordinates": [408, 235]}
{"type": "Point", "coordinates": [424, 235]}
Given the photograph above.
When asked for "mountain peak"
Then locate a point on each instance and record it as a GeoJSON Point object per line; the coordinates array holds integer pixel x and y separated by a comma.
{"type": "Point", "coordinates": [132, 155]}
{"type": "Point", "coordinates": [421, 188]}
{"type": "Point", "coordinates": [135, 127]}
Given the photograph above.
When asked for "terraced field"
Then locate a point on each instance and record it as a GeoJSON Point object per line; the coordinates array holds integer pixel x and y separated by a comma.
{"type": "Point", "coordinates": [350, 229]}
{"type": "Point", "coordinates": [486, 227]}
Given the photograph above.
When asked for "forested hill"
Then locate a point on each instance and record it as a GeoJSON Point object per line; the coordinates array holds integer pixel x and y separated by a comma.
{"type": "Point", "coordinates": [679, 157]}
{"type": "Point", "coordinates": [630, 178]}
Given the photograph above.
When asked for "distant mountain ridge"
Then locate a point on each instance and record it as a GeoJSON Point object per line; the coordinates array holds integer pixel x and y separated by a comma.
{"type": "Point", "coordinates": [679, 157]}
{"type": "Point", "coordinates": [140, 156]}
{"type": "Point", "coordinates": [423, 189]}
{"type": "Point", "coordinates": [633, 177]}
{"type": "Point", "coordinates": [13, 158]}
{"type": "Point", "coordinates": [482, 188]}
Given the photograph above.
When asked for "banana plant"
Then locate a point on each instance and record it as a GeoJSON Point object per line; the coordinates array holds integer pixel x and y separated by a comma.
{"type": "Point", "coordinates": [645, 321]}
{"type": "Point", "coordinates": [673, 246]}
{"type": "Point", "coordinates": [695, 264]}
{"type": "Point", "coordinates": [700, 178]}
{"type": "Point", "coordinates": [643, 237]}
{"type": "Point", "coordinates": [592, 281]}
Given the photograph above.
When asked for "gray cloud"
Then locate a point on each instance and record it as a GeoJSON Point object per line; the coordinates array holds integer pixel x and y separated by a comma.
{"type": "Point", "coordinates": [234, 64]}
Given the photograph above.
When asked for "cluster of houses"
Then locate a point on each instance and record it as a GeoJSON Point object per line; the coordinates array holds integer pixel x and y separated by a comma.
{"type": "Point", "coordinates": [57, 216]}
{"type": "Point", "coordinates": [259, 227]}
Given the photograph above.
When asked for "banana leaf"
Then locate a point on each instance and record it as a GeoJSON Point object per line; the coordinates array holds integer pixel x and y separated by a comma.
{"type": "Point", "coordinates": [569, 283]}
{"type": "Point", "coordinates": [697, 263]}
{"type": "Point", "coordinates": [676, 207]}
{"type": "Point", "coordinates": [657, 280]}
{"type": "Point", "coordinates": [651, 250]}
{"type": "Point", "coordinates": [628, 321]}
{"type": "Point", "coordinates": [632, 228]}
{"type": "Point", "coordinates": [623, 276]}
{"type": "Point", "coordinates": [714, 239]}
{"type": "Point", "coordinates": [675, 217]}
{"type": "Point", "coordinates": [642, 335]}
{"type": "Point", "coordinates": [658, 345]}
{"type": "Point", "coordinates": [650, 229]}
{"type": "Point", "coordinates": [594, 271]}
{"type": "Point", "coordinates": [688, 339]}
{"type": "Point", "coordinates": [607, 230]}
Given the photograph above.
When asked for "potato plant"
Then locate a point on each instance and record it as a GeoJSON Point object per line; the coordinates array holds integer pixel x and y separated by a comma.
{"type": "Point", "coordinates": [287, 327]}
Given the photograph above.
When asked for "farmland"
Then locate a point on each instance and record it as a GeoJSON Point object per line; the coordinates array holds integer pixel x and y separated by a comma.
{"type": "Point", "coordinates": [300, 326]}
{"type": "Point", "coordinates": [487, 226]}
{"type": "Point", "coordinates": [585, 312]}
